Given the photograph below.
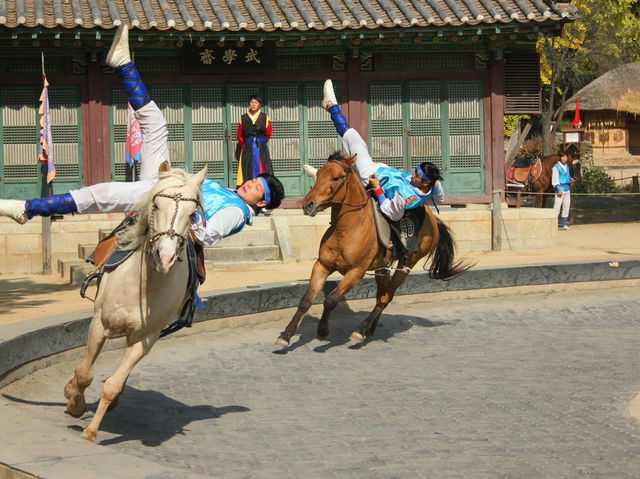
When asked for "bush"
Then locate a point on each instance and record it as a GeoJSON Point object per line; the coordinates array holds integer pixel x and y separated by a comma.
{"type": "Point", "coordinates": [595, 181]}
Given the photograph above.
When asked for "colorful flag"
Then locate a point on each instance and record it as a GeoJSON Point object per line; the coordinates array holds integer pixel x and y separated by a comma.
{"type": "Point", "coordinates": [45, 147]}
{"type": "Point", "coordinates": [576, 123]}
{"type": "Point", "coordinates": [134, 138]}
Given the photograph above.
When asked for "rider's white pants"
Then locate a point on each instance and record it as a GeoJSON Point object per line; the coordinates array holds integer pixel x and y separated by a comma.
{"type": "Point", "coordinates": [354, 145]}
{"type": "Point", "coordinates": [123, 196]}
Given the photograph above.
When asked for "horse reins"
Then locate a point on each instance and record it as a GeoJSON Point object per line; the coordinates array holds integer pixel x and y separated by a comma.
{"type": "Point", "coordinates": [345, 182]}
{"type": "Point", "coordinates": [171, 232]}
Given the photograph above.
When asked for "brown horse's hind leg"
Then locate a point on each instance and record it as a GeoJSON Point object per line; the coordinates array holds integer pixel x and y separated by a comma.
{"type": "Point", "coordinates": [386, 291]}
{"type": "Point", "coordinates": [113, 386]}
{"type": "Point", "coordinates": [318, 278]}
{"type": "Point", "coordinates": [74, 390]}
{"type": "Point", "coordinates": [350, 279]}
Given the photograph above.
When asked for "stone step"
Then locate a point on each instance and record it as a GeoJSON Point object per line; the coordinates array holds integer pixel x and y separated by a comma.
{"type": "Point", "coordinates": [235, 254]}
{"type": "Point", "coordinates": [79, 272]}
{"type": "Point", "coordinates": [249, 237]}
{"type": "Point", "coordinates": [213, 266]}
{"type": "Point", "coordinates": [84, 250]}
{"type": "Point", "coordinates": [65, 265]}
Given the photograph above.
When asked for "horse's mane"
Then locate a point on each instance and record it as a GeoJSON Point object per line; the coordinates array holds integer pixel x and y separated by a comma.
{"type": "Point", "coordinates": [133, 236]}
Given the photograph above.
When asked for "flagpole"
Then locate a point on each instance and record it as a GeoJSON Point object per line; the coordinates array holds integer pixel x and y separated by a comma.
{"type": "Point", "coordinates": [46, 221]}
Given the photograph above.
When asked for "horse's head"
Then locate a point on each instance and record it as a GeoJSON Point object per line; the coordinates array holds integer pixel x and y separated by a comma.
{"type": "Point", "coordinates": [171, 209]}
{"type": "Point", "coordinates": [331, 184]}
{"type": "Point", "coordinates": [576, 169]}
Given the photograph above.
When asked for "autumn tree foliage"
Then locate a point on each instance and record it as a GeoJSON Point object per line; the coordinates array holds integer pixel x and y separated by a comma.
{"type": "Point", "coordinates": [605, 36]}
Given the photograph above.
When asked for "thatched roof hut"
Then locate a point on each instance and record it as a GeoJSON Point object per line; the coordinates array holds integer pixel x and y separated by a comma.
{"type": "Point", "coordinates": [617, 90]}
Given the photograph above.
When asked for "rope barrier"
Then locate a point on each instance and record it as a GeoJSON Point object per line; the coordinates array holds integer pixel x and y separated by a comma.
{"type": "Point", "coordinates": [573, 194]}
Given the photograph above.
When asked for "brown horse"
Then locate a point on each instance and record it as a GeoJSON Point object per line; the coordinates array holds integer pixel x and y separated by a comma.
{"type": "Point", "coordinates": [543, 184]}
{"type": "Point", "coordinates": [351, 246]}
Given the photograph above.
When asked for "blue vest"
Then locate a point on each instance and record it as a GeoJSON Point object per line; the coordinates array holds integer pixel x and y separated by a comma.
{"type": "Point", "coordinates": [399, 181]}
{"type": "Point", "coordinates": [564, 178]}
{"type": "Point", "coordinates": [216, 197]}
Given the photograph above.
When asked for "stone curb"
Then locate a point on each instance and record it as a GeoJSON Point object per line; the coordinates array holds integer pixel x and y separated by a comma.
{"type": "Point", "coordinates": [51, 336]}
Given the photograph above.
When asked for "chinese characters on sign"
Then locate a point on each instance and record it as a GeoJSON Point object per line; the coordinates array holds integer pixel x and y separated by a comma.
{"type": "Point", "coordinates": [231, 58]}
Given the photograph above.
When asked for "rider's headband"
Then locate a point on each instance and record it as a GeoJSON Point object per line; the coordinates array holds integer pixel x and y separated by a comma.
{"type": "Point", "coordinates": [422, 175]}
{"type": "Point", "coordinates": [267, 191]}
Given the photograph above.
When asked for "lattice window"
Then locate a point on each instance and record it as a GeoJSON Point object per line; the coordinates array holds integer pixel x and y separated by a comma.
{"type": "Point", "coordinates": [301, 63]}
{"type": "Point", "coordinates": [21, 64]}
{"type": "Point", "coordinates": [170, 101]}
{"type": "Point", "coordinates": [386, 124]}
{"type": "Point", "coordinates": [432, 62]}
{"type": "Point", "coordinates": [207, 129]}
{"type": "Point", "coordinates": [322, 139]}
{"type": "Point", "coordinates": [284, 111]}
{"type": "Point", "coordinates": [465, 135]}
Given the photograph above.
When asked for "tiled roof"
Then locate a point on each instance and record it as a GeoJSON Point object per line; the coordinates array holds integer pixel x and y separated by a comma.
{"type": "Point", "coordinates": [276, 15]}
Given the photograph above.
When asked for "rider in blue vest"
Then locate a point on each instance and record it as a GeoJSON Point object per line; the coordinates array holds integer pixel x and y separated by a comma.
{"type": "Point", "coordinates": [226, 211]}
{"type": "Point", "coordinates": [396, 190]}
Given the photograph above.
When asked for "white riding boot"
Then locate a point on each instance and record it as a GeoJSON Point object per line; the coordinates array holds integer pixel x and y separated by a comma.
{"type": "Point", "coordinates": [14, 209]}
{"type": "Point", "coordinates": [119, 52]}
{"type": "Point", "coordinates": [329, 96]}
{"type": "Point", "coordinates": [311, 171]}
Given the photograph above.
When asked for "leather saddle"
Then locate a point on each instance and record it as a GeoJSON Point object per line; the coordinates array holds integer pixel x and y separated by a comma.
{"type": "Point", "coordinates": [524, 171]}
{"type": "Point", "coordinates": [402, 236]}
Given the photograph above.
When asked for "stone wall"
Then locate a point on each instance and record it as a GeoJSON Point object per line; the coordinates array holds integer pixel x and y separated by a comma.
{"type": "Point", "coordinates": [523, 228]}
{"type": "Point", "coordinates": [21, 245]}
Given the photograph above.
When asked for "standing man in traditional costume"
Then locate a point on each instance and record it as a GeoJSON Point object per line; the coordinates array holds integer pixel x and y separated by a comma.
{"type": "Point", "coordinates": [226, 211]}
{"type": "Point", "coordinates": [252, 153]}
{"type": "Point", "coordinates": [561, 180]}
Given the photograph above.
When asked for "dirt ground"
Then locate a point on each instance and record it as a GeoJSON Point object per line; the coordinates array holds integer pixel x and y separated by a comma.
{"type": "Point", "coordinates": [25, 297]}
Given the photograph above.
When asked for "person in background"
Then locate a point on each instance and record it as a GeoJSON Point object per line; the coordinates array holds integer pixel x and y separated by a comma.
{"type": "Point", "coordinates": [252, 153]}
{"type": "Point", "coordinates": [561, 181]}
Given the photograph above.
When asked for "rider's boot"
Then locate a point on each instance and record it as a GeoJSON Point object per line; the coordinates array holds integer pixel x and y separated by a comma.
{"type": "Point", "coordinates": [51, 205]}
{"type": "Point", "coordinates": [119, 58]}
{"type": "Point", "coordinates": [331, 104]}
{"type": "Point", "coordinates": [14, 209]}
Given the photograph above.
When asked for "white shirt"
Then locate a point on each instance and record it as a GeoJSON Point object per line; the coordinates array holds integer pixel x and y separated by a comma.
{"type": "Point", "coordinates": [394, 207]}
{"type": "Point", "coordinates": [221, 225]}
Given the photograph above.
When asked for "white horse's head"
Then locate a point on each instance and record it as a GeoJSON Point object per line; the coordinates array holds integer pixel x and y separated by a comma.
{"type": "Point", "coordinates": [166, 215]}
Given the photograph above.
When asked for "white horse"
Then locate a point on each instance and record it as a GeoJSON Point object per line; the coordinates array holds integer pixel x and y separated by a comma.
{"type": "Point", "coordinates": [141, 296]}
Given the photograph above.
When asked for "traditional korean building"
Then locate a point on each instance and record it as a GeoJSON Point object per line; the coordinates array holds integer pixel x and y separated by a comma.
{"type": "Point", "coordinates": [610, 113]}
{"type": "Point", "coordinates": [422, 80]}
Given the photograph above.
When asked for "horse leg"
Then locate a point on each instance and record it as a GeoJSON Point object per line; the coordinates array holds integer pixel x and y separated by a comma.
{"type": "Point", "coordinates": [350, 279]}
{"type": "Point", "coordinates": [113, 386]}
{"type": "Point", "coordinates": [83, 376]}
{"type": "Point", "coordinates": [319, 276]}
{"type": "Point", "coordinates": [386, 291]}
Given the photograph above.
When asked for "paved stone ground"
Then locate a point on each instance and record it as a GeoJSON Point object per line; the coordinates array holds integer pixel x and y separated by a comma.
{"type": "Point", "coordinates": [525, 386]}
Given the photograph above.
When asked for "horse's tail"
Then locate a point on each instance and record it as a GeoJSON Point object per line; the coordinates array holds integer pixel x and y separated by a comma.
{"type": "Point", "coordinates": [442, 265]}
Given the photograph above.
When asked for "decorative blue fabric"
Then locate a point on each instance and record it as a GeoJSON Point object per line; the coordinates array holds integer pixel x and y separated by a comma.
{"type": "Point", "coordinates": [256, 141]}
{"type": "Point", "coordinates": [267, 190]}
{"type": "Point", "coordinates": [51, 205]}
{"type": "Point", "coordinates": [393, 180]}
{"type": "Point", "coordinates": [136, 91]}
{"type": "Point", "coordinates": [216, 197]}
{"type": "Point", "coordinates": [339, 121]}
{"type": "Point", "coordinates": [564, 177]}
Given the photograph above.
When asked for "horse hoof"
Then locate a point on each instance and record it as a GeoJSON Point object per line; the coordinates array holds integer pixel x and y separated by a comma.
{"type": "Point", "coordinates": [89, 435]}
{"type": "Point", "coordinates": [75, 402]}
{"type": "Point", "coordinates": [320, 337]}
{"type": "Point", "coordinates": [356, 337]}
{"type": "Point", "coordinates": [281, 342]}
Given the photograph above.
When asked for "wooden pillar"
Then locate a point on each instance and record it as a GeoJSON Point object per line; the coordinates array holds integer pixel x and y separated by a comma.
{"type": "Point", "coordinates": [95, 127]}
{"type": "Point", "coordinates": [496, 220]}
{"type": "Point", "coordinates": [497, 123]}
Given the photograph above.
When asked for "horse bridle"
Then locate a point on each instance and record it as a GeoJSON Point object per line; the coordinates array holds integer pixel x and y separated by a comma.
{"type": "Point", "coordinates": [171, 232]}
{"type": "Point", "coordinates": [345, 182]}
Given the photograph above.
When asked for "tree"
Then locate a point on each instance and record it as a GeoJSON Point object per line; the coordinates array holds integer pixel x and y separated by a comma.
{"type": "Point", "coordinates": [604, 36]}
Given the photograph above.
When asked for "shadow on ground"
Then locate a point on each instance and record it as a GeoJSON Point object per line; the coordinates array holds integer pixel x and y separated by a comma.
{"type": "Point", "coordinates": [15, 292]}
{"type": "Point", "coordinates": [149, 417]}
{"type": "Point", "coordinates": [345, 321]}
